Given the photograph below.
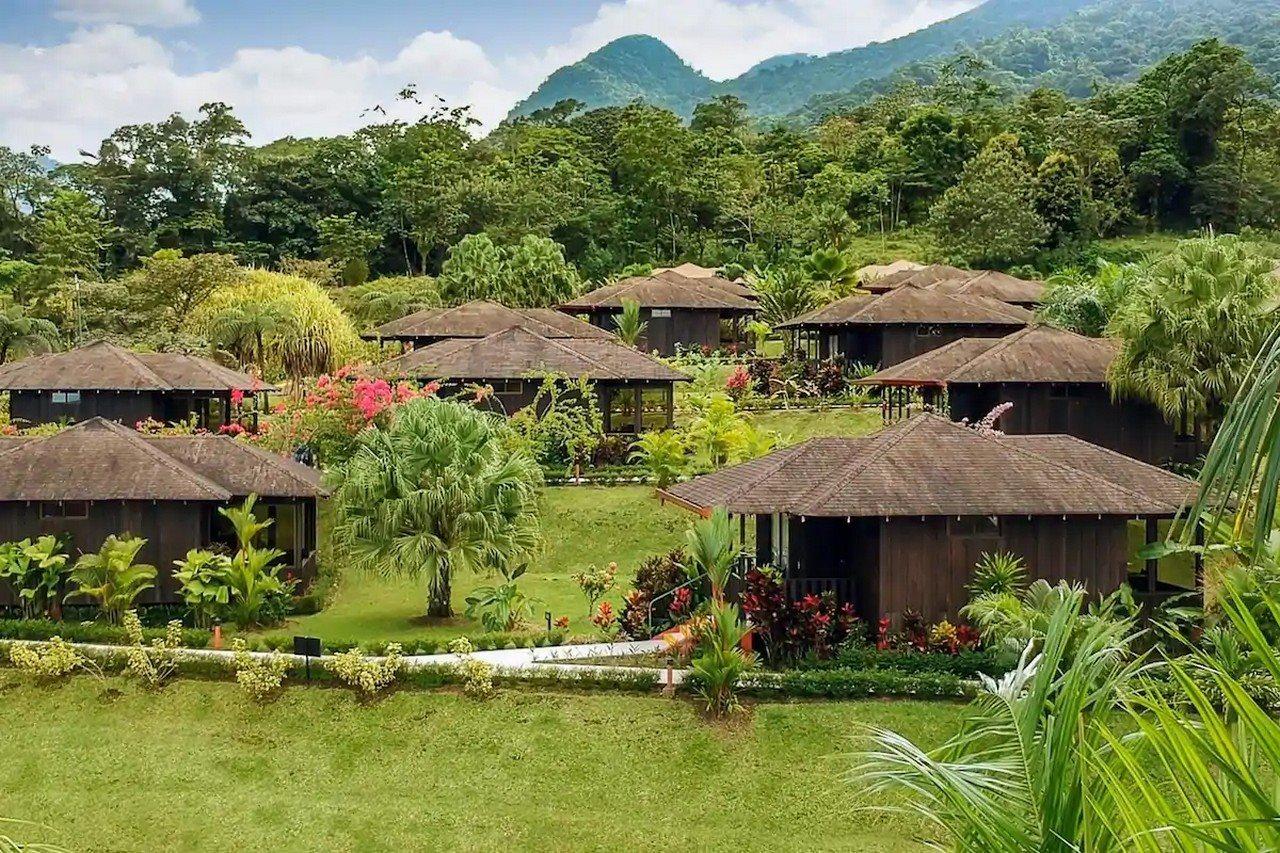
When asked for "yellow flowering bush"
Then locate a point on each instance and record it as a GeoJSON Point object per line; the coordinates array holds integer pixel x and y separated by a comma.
{"type": "Point", "coordinates": [152, 664]}
{"type": "Point", "coordinates": [476, 675]}
{"type": "Point", "coordinates": [260, 676]}
{"type": "Point", "coordinates": [54, 659]}
{"type": "Point", "coordinates": [368, 675]}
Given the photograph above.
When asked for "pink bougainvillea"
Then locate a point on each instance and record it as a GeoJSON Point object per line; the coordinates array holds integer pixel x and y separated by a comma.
{"type": "Point", "coordinates": [237, 397]}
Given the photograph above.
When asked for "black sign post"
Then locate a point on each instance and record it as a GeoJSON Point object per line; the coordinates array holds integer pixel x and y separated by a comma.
{"type": "Point", "coordinates": [308, 647]}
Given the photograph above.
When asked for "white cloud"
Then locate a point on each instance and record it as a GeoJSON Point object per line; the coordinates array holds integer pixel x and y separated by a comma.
{"type": "Point", "coordinates": [142, 13]}
{"type": "Point", "coordinates": [104, 75]}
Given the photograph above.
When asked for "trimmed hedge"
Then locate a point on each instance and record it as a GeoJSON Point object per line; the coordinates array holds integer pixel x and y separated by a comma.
{"type": "Point", "coordinates": [854, 684]}
{"type": "Point", "coordinates": [965, 664]}
{"type": "Point", "coordinates": [91, 632]}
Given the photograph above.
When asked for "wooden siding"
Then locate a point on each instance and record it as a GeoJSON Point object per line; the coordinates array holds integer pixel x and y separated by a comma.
{"type": "Point", "coordinates": [1132, 427]}
{"type": "Point", "coordinates": [886, 345]}
{"type": "Point", "coordinates": [510, 396]}
{"type": "Point", "coordinates": [171, 528]}
{"type": "Point", "coordinates": [126, 407]}
{"type": "Point", "coordinates": [688, 327]}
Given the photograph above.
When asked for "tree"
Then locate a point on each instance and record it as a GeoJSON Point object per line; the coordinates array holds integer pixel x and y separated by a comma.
{"type": "Point", "coordinates": [473, 270]}
{"type": "Point", "coordinates": [832, 273]}
{"type": "Point", "coordinates": [344, 240]}
{"type": "Point", "coordinates": [68, 236]}
{"type": "Point", "coordinates": [244, 328]}
{"type": "Point", "coordinates": [438, 491]}
{"type": "Point", "coordinates": [1060, 198]}
{"type": "Point", "coordinates": [170, 286]}
{"type": "Point", "coordinates": [1191, 325]}
{"type": "Point", "coordinates": [990, 215]}
{"type": "Point", "coordinates": [22, 334]}
{"type": "Point", "coordinates": [532, 273]}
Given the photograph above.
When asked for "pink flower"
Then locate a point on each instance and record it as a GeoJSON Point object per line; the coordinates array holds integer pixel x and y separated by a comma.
{"type": "Point", "coordinates": [237, 397]}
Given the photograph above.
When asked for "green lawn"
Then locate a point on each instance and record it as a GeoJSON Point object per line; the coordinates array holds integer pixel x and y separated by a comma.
{"type": "Point", "coordinates": [798, 425]}
{"type": "Point", "coordinates": [197, 766]}
{"type": "Point", "coordinates": [581, 525]}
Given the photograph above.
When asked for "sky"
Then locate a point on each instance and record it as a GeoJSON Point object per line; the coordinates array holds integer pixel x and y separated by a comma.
{"type": "Point", "coordinates": [71, 71]}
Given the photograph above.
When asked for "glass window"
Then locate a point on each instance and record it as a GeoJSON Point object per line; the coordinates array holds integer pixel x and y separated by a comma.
{"type": "Point", "coordinates": [653, 408]}
{"type": "Point", "coordinates": [622, 410]}
{"type": "Point", "coordinates": [64, 509]}
{"type": "Point", "coordinates": [66, 398]}
{"type": "Point", "coordinates": [508, 386]}
{"type": "Point", "coordinates": [660, 312]}
{"type": "Point", "coordinates": [975, 526]}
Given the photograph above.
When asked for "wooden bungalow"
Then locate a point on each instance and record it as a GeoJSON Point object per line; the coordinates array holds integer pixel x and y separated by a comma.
{"type": "Point", "coordinates": [991, 284]}
{"type": "Point", "coordinates": [99, 478]}
{"type": "Point", "coordinates": [101, 379]}
{"type": "Point", "coordinates": [479, 319]}
{"type": "Point", "coordinates": [1056, 381]}
{"type": "Point", "coordinates": [908, 320]}
{"type": "Point", "coordinates": [689, 311]}
{"type": "Point", "coordinates": [636, 392]}
{"type": "Point", "coordinates": [897, 520]}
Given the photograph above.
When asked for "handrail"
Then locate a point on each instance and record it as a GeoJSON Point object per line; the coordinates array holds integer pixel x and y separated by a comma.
{"type": "Point", "coordinates": [741, 565]}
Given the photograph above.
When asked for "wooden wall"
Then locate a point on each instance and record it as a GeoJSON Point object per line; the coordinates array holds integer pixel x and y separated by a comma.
{"type": "Point", "coordinates": [523, 392]}
{"type": "Point", "coordinates": [890, 344]}
{"type": "Point", "coordinates": [126, 407]}
{"type": "Point", "coordinates": [1132, 427]}
{"type": "Point", "coordinates": [688, 327]}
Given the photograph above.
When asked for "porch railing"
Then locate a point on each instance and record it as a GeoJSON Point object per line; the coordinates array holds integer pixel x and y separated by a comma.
{"type": "Point", "coordinates": [798, 588]}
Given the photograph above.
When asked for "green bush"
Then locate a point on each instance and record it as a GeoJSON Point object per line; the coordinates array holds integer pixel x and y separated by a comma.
{"type": "Point", "coordinates": [92, 632]}
{"type": "Point", "coordinates": [965, 664]}
{"type": "Point", "coordinates": [853, 684]}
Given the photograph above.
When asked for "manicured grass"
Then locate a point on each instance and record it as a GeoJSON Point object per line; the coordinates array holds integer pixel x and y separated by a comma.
{"type": "Point", "coordinates": [582, 525]}
{"type": "Point", "coordinates": [798, 425]}
{"type": "Point", "coordinates": [197, 766]}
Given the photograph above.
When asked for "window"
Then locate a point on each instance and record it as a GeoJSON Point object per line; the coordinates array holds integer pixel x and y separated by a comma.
{"type": "Point", "coordinates": [64, 509]}
{"type": "Point", "coordinates": [653, 408]}
{"type": "Point", "coordinates": [975, 526]}
{"type": "Point", "coordinates": [621, 413]}
{"type": "Point", "coordinates": [928, 331]}
{"type": "Point", "coordinates": [660, 312]}
{"type": "Point", "coordinates": [66, 398]}
{"type": "Point", "coordinates": [509, 387]}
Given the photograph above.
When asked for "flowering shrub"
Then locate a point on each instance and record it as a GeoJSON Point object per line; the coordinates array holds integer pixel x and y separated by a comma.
{"type": "Point", "coordinates": [332, 409]}
{"type": "Point", "coordinates": [790, 630]}
{"type": "Point", "coordinates": [606, 619]}
{"type": "Point", "coordinates": [595, 583]}
{"type": "Point", "coordinates": [54, 659]}
{"type": "Point", "coordinates": [656, 576]}
{"type": "Point", "coordinates": [260, 676]}
{"type": "Point", "coordinates": [797, 376]}
{"type": "Point", "coordinates": [561, 623]}
{"type": "Point", "coordinates": [368, 675]}
{"type": "Point", "coordinates": [151, 664]}
{"type": "Point", "coordinates": [738, 384]}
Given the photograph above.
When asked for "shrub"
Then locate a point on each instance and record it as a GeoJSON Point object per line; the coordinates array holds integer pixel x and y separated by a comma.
{"type": "Point", "coordinates": [261, 677]}
{"type": "Point", "coordinates": [90, 632]}
{"type": "Point", "coordinates": [656, 576]}
{"type": "Point", "coordinates": [721, 661]}
{"type": "Point", "coordinates": [502, 607]}
{"type": "Point", "coordinates": [36, 570]}
{"type": "Point", "coordinates": [152, 664]}
{"type": "Point", "coordinates": [662, 454]}
{"type": "Point", "coordinates": [856, 684]}
{"type": "Point", "coordinates": [595, 583]}
{"type": "Point", "coordinates": [563, 424]}
{"type": "Point", "coordinates": [967, 663]}
{"type": "Point", "coordinates": [51, 660]}
{"type": "Point", "coordinates": [111, 576]}
{"type": "Point", "coordinates": [201, 578]}
{"type": "Point", "coordinates": [368, 675]}
{"type": "Point", "coordinates": [815, 625]}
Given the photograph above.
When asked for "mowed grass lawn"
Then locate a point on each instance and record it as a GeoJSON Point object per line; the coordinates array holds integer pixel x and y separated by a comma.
{"type": "Point", "coordinates": [197, 766]}
{"type": "Point", "coordinates": [796, 425]}
{"type": "Point", "coordinates": [581, 526]}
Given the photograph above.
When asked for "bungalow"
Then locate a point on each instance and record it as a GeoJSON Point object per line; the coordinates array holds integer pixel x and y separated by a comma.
{"type": "Point", "coordinates": [636, 392]}
{"type": "Point", "coordinates": [1056, 381]}
{"type": "Point", "coordinates": [991, 284]}
{"type": "Point", "coordinates": [685, 310]}
{"type": "Point", "coordinates": [479, 319]}
{"type": "Point", "coordinates": [101, 379]}
{"type": "Point", "coordinates": [897, 520]}
{"type": "Point", "coordinates": [99, 478]}
{"type": "Point", "coordinates": [901, 324]}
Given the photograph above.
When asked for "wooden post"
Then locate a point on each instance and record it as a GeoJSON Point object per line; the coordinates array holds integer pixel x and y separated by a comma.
{"type": "Point", "coordinates": [1152, 565]}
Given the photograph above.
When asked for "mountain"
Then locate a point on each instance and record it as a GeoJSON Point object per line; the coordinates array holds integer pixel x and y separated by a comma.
{"type": "Point", "coordinates": [643, 67]}
{"type": "Point", "coordinates": [1068, 44]}
{"type": "Point", "coordinates": [624, 70]}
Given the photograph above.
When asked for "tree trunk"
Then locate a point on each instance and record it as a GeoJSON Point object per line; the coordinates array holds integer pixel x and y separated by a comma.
{"type": "Point", "coordinates": [440, 593]}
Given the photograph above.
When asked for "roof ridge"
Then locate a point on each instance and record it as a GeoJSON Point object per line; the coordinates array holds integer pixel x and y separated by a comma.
{"type": "Point", "coordinates": [1000, 345]}
{"type": "Point", "coordinates": [557, 343]}
{"type": "Point", "coordinates": [858, 466]}
{"type": "Point", "coordinates": [136, 439]}
{"type": "Point", "coordinates": [134, 360]}
{"type": "Point", "coordinates": [263, 456]}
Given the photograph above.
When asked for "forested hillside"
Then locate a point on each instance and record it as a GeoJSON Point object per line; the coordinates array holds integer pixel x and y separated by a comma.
{"type": "Point", "coordinates": [1071, 45]}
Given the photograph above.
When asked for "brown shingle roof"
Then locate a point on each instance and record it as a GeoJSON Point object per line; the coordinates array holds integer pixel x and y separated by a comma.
{"type": "Point", "coordinates": [480, 318]}
{"type": "Point", "coordinates": [913, 304]}
{"type": "Point", "coordinates": [1034, 354]}
{"type": "Point", "coordinates": [993, 285]}
{"type": "Point", "coordinates": [705, 275]}
{"type": "Point", "coordinates": [103, 366]}
{"type": "Point", "coordinates": [518, 353]}
{"type": "Point", "coordinates": [919, 276]}
{"type": "Point", "coordinates": [931, 466]}
{"type": "Point", "coordinates": [102, 460]}
{"type": "Point", "coordinates": [667, 289]}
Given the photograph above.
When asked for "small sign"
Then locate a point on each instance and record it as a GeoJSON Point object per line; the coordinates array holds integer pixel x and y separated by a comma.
{"type": "Point", "coordinates": [307, 646]}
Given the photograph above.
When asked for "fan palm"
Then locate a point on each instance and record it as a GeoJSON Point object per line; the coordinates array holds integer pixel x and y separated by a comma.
{"type": "Point", "coordinates": [833, 273]}
{"type": "Point", "coordinates": [784, 294]}
{"type": "Point", "coordinates": [441, 489]}
{"type": "Point", "coordinates": [244, 328]}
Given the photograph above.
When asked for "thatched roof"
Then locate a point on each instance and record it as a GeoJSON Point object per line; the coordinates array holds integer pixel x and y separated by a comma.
{"type": "Point", "coordinates": [1033, 354]}
{"type": "Point", "coordinates": [993, 284]}
{"type": "Point", "coordinates": [668, 288]}
{"type": "Point", "coordinates": [102, 460]}
{"type": "Point", "coordinates": [913, 304]}
{"type": "Point", "coordinates": [103, 366]}
{"type": "Point", "coordinates": [874, 272]}
{"type": "Point", "coordinates": [519, 353]}
{"type": "Point", "coordinates": [481, 318]}
{"type": "Point", "coordinates": [929, 466]}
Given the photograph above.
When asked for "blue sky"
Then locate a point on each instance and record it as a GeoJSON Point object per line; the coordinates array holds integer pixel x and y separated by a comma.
{"type": "Point", "coordinates": [73, 70]}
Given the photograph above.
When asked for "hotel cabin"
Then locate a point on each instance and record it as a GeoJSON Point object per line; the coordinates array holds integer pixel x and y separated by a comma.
{"type": "Point", "coordinates": [98, 479]}
{"type": "Point", "coordinates": [898, 520]}
{"type": "Point", "coordinates": [479, 319]}
{"type": "Point", "coordinates": [101, 379]}
{"type": "Point", "coordinates": [636, 392]}
{"type": "Point", "coordinates": [689, 306]}
{"type": "Point", "coordinates": [892, 327]}
{"type": "Point", "coordinates": [990, 284]}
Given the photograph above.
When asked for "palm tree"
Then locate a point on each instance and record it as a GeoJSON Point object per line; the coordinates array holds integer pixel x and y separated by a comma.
{"type": "Point", "coordinates": [784, 293]}
{"type": "Point", "coordinates": [244, 328]}
{"type": "Point", "coordinates": [1191, 325]}
{"type": "Point", "coordinates": [833, 273]}
{"type": "Point", "coordinates": [23, 334]}
{"type": "Point", "coordinates": [630, 327]}
{"type": "Point", "coordinates": [709, 542]}
{"type": "Point", "coordinates": [439, 490]}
